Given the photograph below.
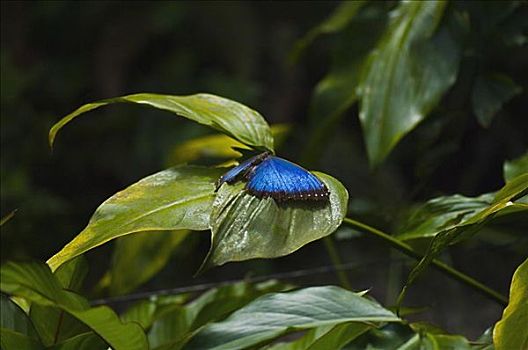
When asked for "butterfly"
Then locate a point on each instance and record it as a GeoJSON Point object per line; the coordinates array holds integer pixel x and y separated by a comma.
{"type": "Point", "coordinates": [267, 175]}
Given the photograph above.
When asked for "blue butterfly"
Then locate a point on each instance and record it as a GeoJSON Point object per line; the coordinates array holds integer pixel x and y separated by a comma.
{"type": "Point", "coordinates": [270, 176]}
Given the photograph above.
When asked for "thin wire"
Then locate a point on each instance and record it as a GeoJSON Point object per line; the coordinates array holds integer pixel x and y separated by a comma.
{"type": "Point", "coordinates": [202, 287]}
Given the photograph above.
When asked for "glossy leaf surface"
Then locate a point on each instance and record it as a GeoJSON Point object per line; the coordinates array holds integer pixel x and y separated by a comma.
{"type": "Point", "coordinates": [230, 117]}
{"type": "Point", "coordinates": [246, 227]}
{"type": "Point", "coordinates": [173, 199]}
{"type": "Point", "coordinates": [510, 332]}
{"type": "Point", "coordinates": [406, 75]}
{"type": "Point", "coordinates": [275, 314]}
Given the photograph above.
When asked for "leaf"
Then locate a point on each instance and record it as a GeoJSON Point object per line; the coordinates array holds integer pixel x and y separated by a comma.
{"type": "Point", "coordinates": [337, 91]}
{"type": "Point", "coordinates": [273, 315]}
{"type": "Point", "coordinates": [467, 227]}
{"type": "Point", "coordinates": [442, 213]}
{"type": "Point", "coordinates": [218, 146]}
{"type": "Point", "coordinates": [176, 325]}
{"type": "Point", "coordinates": [245, 227]}
{"type": "Point", "coordinates": [16, 330]}
{"type": "Point", "coordinates": [14, 318]}
{"type": "Point", "coordinates": [52, 323]}
{"type": "Point", "coordinates": [489, 94]}
{"type": "Point", "coordinates": [85, 341]}
{"type": "Point", "coordinates": [516, 167]}
{"type": "Point", "coordinates": [406, 75]}
{"type": "Point", "coordinates": [36, 282]}
{"type": "Point", "coordinates": [404, 337]}
{"type": "Point", "coordinates": [173, 199]}
{"type": "Point", "coordinates": [510, 331]}
{"type": "Point", "coordinates": [229, 117]}
{"type": "Point", "coordinates": [336, 22]}
{"type": "Point", "coordinates": [325, 337]}
{"type": "Point", "coordinates": [138, 257]}
{"type": "Point", "coordinates": [11, 340]}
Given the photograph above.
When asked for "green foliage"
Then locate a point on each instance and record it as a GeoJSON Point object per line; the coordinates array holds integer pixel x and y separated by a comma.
{"type": "Point", "coordinates": [229, 117]}
{"type": "Point", "coordinates": [274, 315]}
{"type": "Point", "coordinates": [515, 167]}
{"type": "Point", "coordinates": [453, 232]}
{"type": "Point", "coordinates": [510, 331]}
{"type": "Point", "coordinates": [409, 65]}
{"type": "Point", "coordinates": [36, 283]}
{"type": "Point", "coordinates": [245, 227]}
{"type": "Point", "coordinates": [173, 199]}
{"type": "Point", "coordinates": [407, 73]}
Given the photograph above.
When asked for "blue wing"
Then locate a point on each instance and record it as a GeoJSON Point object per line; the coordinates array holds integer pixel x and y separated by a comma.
{"type": "Point", "coordinates": [240, 171]}
{"type": "Point", "coordinates": [282, 180]}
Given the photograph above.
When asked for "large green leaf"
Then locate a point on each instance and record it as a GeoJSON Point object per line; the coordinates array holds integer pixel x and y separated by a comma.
{"type": "Point", "coordinates": [36, 283]}
{"type": "Point", "coordinates": [246, 227]}
{"type": "Point", "coordinates": [511, 331]}
{"type": "Point", "coordinates": [336, 22]}
{"type": "Point", "coordinates": [229, 117]}
{"type": "Point", "coordinates": [516, 167]}
{"type": "Point", "coordinates": [406, 75]}
{"type": "Point", "coordinates": [489, 94]}
{"type": "Point", "coordinates": [273, 315]}
{"type": "Point", "coordinates": [469, 225]}
{"type": "Point", "coordinates": [337, 91]}
{"type": "Point", "coordinates": [173, 199]}
{"type": "Point", "coordinates": [138, 257]}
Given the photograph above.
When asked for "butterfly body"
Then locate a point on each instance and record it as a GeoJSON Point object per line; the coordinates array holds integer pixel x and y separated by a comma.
{"type": "Point", "coordinates": [269, 176]}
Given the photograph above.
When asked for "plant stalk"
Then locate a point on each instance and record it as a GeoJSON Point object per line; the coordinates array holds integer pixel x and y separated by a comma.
{"type": "Point", "coordinates": [450, 271]}
{"type": "Point", "coordinates": [336, 261]}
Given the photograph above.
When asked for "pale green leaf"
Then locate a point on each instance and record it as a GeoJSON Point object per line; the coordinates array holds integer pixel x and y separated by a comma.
{"type": "Point", "coordinates": [246, 227]}
{"type": "Point", "coordinates": [36, 283]}
{"type": "Point", "coordinates": [490, 93]}
{"type": "Point", "coordinates": [229, 117]}
{"type": "Point", "coordinates": [406, 75]}
{"type": "Point", "coordinates": [516, 167]}
{"type": "Point", "coordinates": [173, 199]}
{"type": "Point", "coordinates": [273, 315]}
{"type": "Point", "coordinates": [511, 331]}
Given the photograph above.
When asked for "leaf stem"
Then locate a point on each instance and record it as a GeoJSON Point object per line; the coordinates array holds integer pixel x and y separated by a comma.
{"type": "Point", "coordinates": [336, 261]}
{"type": "Point", "coordinates": [450, 271]}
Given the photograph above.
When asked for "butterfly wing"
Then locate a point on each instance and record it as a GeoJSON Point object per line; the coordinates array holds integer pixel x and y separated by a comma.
{"type": "Point", "coordinates": [240, 171]}
{"type": "Point", "coordinates": [282, 180]}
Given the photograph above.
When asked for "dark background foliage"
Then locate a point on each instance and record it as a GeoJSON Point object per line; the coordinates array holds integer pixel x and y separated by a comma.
{"type": "Point", "coordinates": [56, 56]}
